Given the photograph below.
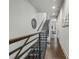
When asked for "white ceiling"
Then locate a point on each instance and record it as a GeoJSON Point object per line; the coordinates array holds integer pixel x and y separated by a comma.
{"type": "Point", "coordinates": [46, 6]}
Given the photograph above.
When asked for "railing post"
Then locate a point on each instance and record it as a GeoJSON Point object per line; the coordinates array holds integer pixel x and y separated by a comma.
{"type": "Point", "coordinates": [39, 47]}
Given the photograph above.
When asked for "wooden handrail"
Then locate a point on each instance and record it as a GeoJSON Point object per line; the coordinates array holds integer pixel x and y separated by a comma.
{"type": "Point", "coordinates": [21, 38]}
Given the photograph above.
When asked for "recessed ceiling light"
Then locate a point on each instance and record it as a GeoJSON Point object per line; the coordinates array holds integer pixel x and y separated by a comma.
{"type": "Point", "coordinates": [53, 7]}
{"type": "Point", "coordinates": [54, 19]}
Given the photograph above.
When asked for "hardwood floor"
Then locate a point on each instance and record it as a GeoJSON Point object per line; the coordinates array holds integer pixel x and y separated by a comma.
{"type": "Point", "coordinates": [54, 51]}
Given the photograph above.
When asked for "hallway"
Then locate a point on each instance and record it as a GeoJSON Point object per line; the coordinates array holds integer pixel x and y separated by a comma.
{"type": "Point", "coordinates": [34, 24]}
{"type": "Point", "coordinates": [54, 52]}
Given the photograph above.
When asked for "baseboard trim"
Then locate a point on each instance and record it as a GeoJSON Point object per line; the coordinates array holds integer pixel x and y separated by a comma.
{"type": "Point", "coordinates": [64, 51]}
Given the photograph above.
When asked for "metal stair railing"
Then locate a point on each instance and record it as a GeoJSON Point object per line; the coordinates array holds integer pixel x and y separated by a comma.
{"type": "Point", "coordinates": [35, 49]}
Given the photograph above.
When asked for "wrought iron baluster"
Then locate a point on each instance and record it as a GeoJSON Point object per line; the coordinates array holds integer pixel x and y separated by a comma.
{"type": "Point", "coordinates": [39, 46]}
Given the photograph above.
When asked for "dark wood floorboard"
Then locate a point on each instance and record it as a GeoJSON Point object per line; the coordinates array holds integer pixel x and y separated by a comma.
{"type": "Point", "coordinates": [54, 52]}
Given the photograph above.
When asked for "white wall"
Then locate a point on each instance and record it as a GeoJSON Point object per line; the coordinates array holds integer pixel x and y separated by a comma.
{"type": "Point", "coordinates": [63, 33]}
{"type": "Point", "coordinates": [21, 13]}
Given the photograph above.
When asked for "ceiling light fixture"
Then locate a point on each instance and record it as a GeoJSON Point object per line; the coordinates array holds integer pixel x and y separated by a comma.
{"type": "Point", "coordinates": [53, 7]}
